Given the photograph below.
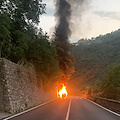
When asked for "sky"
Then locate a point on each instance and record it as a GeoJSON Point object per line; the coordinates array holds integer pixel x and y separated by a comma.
{"type": "Point", "coordinates": [97, 17]}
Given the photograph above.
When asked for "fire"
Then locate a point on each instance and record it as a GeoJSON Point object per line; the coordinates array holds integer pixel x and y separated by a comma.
{"type": "Point", "coordinates": [62, 93]}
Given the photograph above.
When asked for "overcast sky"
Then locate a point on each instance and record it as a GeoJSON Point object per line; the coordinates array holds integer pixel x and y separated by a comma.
{"type": "Point", "coordinates": [99, 17]}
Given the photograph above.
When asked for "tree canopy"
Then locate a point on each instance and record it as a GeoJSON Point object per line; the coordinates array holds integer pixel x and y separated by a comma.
{"type": "Point", "coordinates": [111, 82]}
{"type": "Point", "coordinates": [22, 42]}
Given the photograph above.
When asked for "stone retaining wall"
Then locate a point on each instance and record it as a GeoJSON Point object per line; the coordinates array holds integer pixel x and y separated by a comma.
{"type": "Point", "coordinates": [18, 88]}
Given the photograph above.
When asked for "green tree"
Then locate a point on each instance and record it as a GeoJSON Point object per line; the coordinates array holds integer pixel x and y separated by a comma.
{"type": "Point", "coordinates": [43, 55]}
{"type": "Point", "coordinates": [20, 45]}
{"type": "Point", "coordinates": [111, 82]}
{"type": "Point", "coordinates": [17, 26]}
{"type": "Point", "coordinates": [22, 42]}
{"type": "Point", "coordinates": [5, 35]}
{"type": "Point", "coordinates": [23, 11]}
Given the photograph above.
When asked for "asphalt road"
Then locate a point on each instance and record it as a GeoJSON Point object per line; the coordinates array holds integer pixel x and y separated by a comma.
{"type": "Point", "coordinates": [73, 108]}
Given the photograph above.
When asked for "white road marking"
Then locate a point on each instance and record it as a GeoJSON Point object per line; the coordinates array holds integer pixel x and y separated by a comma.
{"type": "Point", "coordinates": [28, 110]}
{"type": "Point", "coordinates": [103, 107]}
{"type": "Point", "coordinates": [68, 112]}
{"type": "Point", "coordinates": [76, 98]}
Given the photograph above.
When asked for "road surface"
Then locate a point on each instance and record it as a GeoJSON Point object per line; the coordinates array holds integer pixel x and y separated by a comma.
{"type": "Point", "coordinates": [72, 108]}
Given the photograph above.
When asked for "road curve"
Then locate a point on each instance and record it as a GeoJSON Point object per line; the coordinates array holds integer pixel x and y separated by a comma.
{"type": "Point", "coordinates": [73, 108]}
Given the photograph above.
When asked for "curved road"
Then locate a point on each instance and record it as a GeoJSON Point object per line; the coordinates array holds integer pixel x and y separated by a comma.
{"type": "Point", "coordinates": [72, 108]}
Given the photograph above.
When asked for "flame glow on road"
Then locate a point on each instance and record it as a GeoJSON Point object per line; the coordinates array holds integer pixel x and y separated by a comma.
{"type": "Point", "coordinates": [62, 93]}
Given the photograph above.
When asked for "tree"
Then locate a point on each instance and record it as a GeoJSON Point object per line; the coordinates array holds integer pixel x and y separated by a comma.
{"type": "Point", "coordinates": [22, 41]}
{"type": "Point", "coordinates": [23, 11]}
{"type": "Point", "coordinates": [5, 35]}
{"type": "Point", "coordinates": [17, 26]}
{"type": "Point", "coordinates": [111, 82]}
{"type": "Point", "coordinates": [43, 55]}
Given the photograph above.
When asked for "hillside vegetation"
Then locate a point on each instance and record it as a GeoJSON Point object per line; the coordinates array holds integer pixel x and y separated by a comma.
{"type": "Point", "coordinates": [95, 58]}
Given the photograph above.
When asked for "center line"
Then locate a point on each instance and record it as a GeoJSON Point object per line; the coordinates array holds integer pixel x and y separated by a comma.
{"type": "Point", "coordinates": [68, 112]}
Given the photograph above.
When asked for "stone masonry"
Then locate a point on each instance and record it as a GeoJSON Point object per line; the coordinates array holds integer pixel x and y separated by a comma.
{"type": "Point", "coordinates": [18, 88]}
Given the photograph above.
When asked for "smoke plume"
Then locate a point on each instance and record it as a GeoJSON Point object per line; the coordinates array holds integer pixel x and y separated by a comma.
{"type": "Point", "coordinates": [63, 15]}
{"type": "Point", "coordinates": [65, 10]}
{"type": "Point", "coordinates": [69, 17]}
{"type": "Point", "coordinates": [62, 34]}
{"type": "Point", "coordinates": [80, 21]}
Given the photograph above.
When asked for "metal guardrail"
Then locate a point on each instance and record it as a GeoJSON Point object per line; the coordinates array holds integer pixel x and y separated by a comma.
{"type": "Point", "coordinates": [110, 100]}
{"type": "Point", "coordinates": [108, 103]}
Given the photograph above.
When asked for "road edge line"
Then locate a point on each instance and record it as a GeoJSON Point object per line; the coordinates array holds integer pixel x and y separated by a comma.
{"type": "Point", "coordinates": [68, 111]}
{"type": "Point", "coordinates": [28, 110]}
{"type": "Point", "coordinates": [104, 108]}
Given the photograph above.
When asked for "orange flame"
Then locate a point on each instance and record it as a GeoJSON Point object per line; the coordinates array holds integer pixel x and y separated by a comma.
{"type": "Point", "coordinates": [62, 93]}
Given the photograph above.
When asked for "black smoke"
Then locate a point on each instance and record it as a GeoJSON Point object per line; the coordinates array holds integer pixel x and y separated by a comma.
{"type": "Point", "coordinates": [65, 10]}
{"type": "Point", "coordinates": [63, 15]}
{"type": "Point", "coordinates": [69, 15]}
{"type": "Point", "coordinates": [62, 34]}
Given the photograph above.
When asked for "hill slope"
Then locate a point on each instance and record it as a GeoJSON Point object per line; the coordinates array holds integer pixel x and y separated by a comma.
{"type": "Point", "coordinates": [94, 56]}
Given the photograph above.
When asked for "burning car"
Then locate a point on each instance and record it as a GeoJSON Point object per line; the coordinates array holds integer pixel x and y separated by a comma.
{"type": "Point", "coordinates": [62, 93]}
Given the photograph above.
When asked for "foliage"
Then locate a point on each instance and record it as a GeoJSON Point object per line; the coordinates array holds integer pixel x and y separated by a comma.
{"type": "Point", "coordinates": [23, 11]}
{"type": "Point", "coordinates": [111, 82]}
{"type": "Point", "coordinates": [5, 35]}
{"type": "Point", "coordinates": [21, 40]}
{"type": "Point", "coordinates": [94, 55]}
{"type": "Point", "coordinates": [43, 55]}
